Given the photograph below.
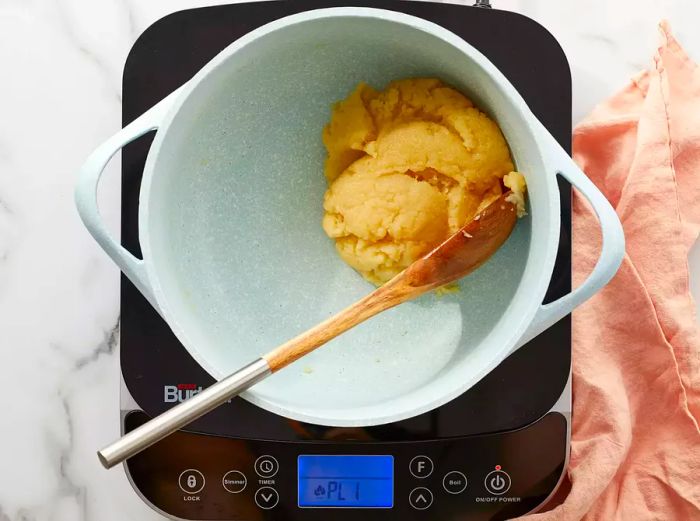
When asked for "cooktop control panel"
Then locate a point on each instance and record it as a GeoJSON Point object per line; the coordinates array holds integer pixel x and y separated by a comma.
{"type": "Point", "coordinates": [489, 477]}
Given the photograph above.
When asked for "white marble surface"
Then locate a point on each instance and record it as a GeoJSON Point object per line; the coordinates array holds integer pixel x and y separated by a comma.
{"type": "Point", "coordinates": [60, 78]}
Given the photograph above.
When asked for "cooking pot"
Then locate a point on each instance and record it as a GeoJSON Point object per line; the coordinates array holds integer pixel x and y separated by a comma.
{"type": "Point", "coordinates": [234, 256]}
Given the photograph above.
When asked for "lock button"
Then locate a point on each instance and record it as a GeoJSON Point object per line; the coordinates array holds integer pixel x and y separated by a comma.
{"type": "Point", "coordinates": [191, 481]}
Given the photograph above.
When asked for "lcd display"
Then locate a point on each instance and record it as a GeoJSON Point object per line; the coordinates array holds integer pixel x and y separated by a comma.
{"type": "Point", "coordinates": [332, 481]}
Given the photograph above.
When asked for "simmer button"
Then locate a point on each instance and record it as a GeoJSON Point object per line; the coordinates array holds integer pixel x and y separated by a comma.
{"type": "Point", "coordinates": [234, 481]}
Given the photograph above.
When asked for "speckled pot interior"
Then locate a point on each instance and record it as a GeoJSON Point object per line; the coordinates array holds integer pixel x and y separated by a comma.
{"type": "Point", "coordinates": [233, 227]}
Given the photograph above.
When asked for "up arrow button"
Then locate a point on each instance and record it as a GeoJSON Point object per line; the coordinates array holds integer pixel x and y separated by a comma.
{"type": "Point", "coordinates": [420, 498]}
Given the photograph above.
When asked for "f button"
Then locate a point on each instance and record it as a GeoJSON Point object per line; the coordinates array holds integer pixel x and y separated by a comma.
{"type": "Point", "coordinates": [421, 467]}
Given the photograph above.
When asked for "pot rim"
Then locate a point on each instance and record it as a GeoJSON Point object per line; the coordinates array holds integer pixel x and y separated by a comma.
{"type": "Point", "coordinates": [376, 413]}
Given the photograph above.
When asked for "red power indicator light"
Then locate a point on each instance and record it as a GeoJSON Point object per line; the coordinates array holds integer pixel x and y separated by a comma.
{"type": "Point", "coordinates": [498, 467]}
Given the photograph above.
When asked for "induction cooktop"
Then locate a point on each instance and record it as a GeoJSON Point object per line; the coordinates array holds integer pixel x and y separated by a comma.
{"type": "Point", "coordinates": [496, 452]}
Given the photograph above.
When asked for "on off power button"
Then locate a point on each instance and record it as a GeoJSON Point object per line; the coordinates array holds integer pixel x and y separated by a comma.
{"type": "Point", "coordinates": [497, 482]}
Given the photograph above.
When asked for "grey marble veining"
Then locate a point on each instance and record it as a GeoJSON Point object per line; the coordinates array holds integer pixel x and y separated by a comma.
{"type": "Point", "coordinates": [60, 96]}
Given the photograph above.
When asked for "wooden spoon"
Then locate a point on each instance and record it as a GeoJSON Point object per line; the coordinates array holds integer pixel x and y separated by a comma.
{"type": "Point", "coordinates": [458, 256]}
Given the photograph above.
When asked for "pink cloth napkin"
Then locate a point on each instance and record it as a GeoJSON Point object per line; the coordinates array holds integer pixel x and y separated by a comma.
{"type": "Point", "coordinates": [635, 444]}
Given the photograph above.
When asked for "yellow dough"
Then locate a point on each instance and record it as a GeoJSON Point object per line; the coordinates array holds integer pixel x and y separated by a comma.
{"type": "Point", "coordinates": [406, 168]}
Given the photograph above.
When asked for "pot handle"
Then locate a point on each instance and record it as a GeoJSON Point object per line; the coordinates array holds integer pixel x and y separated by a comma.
{"type": "Point", "coordinates": [86, 193]}
{"type": "Point", "coordinates": [611, 255]}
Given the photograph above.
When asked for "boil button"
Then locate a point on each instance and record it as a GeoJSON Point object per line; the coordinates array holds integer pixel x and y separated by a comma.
{"type": "Point", "coordinates": [454, 482]}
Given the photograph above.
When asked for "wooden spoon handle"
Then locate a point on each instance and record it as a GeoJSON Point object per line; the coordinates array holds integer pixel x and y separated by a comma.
{"type": "Point", "coordinates": [387, 296]}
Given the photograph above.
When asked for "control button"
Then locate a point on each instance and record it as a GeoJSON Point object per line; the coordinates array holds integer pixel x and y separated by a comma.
{"type": "Point", "coordinates": [421, 467]}
{"type": "Point", "coordinates": [266, 466]}
{"type": "Point", "coordinates": [191, 481]}
{"type": "Point", "coordinates": [420, 498]}
{"type": "Point", "coordinates": [234, 481]}
{"type": "Point", "coordinates": [497, 482]}
{"type": "Point", "coordinates": [266, 498]}
{"type": "Point", "coordinates": [454, 482]}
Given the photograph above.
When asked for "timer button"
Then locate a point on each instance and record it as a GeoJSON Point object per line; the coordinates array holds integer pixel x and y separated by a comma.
{"type": "Point", "coordinates": [497, 482]}
{"type": "Point", "coordinates": [421, 467]}
{"type": "Point", "coordinates": [266, 466]}
{"type": "Point", "coordinates": [420, 498]}
{"type": "Point", "coordinates": [454, 482]}
{"type": "Point", "coordinates": [266, 498]}
{"type": "Point", "coordinates": [191, 481]}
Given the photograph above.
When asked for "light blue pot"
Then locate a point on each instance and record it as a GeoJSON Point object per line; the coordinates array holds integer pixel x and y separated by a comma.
{"type": "Point", "coordinates": [235, 259]}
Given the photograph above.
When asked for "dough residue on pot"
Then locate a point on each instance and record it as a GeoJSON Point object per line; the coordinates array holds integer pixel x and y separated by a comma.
{"type": "Point", "coordinates": [407, 167]}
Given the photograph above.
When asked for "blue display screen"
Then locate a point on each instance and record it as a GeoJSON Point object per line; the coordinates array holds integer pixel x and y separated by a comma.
{"type": "Point", "coordinates": [346, 481]}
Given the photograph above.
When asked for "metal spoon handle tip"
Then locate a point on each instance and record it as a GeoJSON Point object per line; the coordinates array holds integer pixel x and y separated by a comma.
{"type": "Point", "coordinates": [173, 419]}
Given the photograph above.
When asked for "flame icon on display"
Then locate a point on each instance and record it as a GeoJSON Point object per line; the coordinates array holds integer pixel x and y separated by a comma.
{"type": "Point", "coordinates": [319, 491]}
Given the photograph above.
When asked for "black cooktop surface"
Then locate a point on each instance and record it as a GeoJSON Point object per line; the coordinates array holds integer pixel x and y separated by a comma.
{"type": "Point", "coordinates": [157, 369]}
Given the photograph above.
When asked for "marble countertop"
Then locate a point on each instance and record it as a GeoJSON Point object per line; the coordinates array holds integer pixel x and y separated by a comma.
{"type": "Point", "coordinates": [59, 314]}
